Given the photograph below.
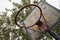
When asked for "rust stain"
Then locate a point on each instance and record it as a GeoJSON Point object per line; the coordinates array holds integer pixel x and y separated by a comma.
{"type": "Point", "coordinates": [45, 16]}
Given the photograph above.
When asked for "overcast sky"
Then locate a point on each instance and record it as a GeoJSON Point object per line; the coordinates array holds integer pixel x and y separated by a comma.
{"type": "Point", "coordinates": [6, 4]}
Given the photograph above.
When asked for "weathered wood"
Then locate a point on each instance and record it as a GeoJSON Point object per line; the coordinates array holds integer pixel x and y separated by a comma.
{"type": "Point", "coordinates": [51, 15]}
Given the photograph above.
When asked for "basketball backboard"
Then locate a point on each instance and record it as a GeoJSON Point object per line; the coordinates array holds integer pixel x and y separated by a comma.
{"type": "Point", "coordinates": [51, 14]}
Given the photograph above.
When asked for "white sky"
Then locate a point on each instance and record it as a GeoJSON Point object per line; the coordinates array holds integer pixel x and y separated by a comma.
{"type": "Point", "coordinates": [55, 3]}
{"type": "Point", "coordinates": [6, 4]}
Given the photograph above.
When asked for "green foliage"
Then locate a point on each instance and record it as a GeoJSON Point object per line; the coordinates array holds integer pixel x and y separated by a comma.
{"type": "Point", "coordinates": [44, 0]}
{"type": "Point", "coordinates": [17, 5]}
{"type": "Point", "coordinates": [1, 21]}
{"type": "Point", "coordinates": [35, 1]}
{"type": "Point", "coordinates": [56, 28]}
{"type": "Point", "coordinates": [25, 2]}
{"type": "Point", "coordinates": [10, 24]}
{"type": "Point", "coordinates": [8, 21]}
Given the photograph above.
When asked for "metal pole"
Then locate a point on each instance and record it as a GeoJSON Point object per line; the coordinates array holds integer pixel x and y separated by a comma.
{"type": "Point", "coordinates": [27, 35]}
{"type": "Point", "coordinates": [53, 34]}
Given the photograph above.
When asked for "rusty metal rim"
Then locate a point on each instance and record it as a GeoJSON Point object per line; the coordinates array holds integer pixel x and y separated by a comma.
{"type": "Point", "coordinates": [22, 9]}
